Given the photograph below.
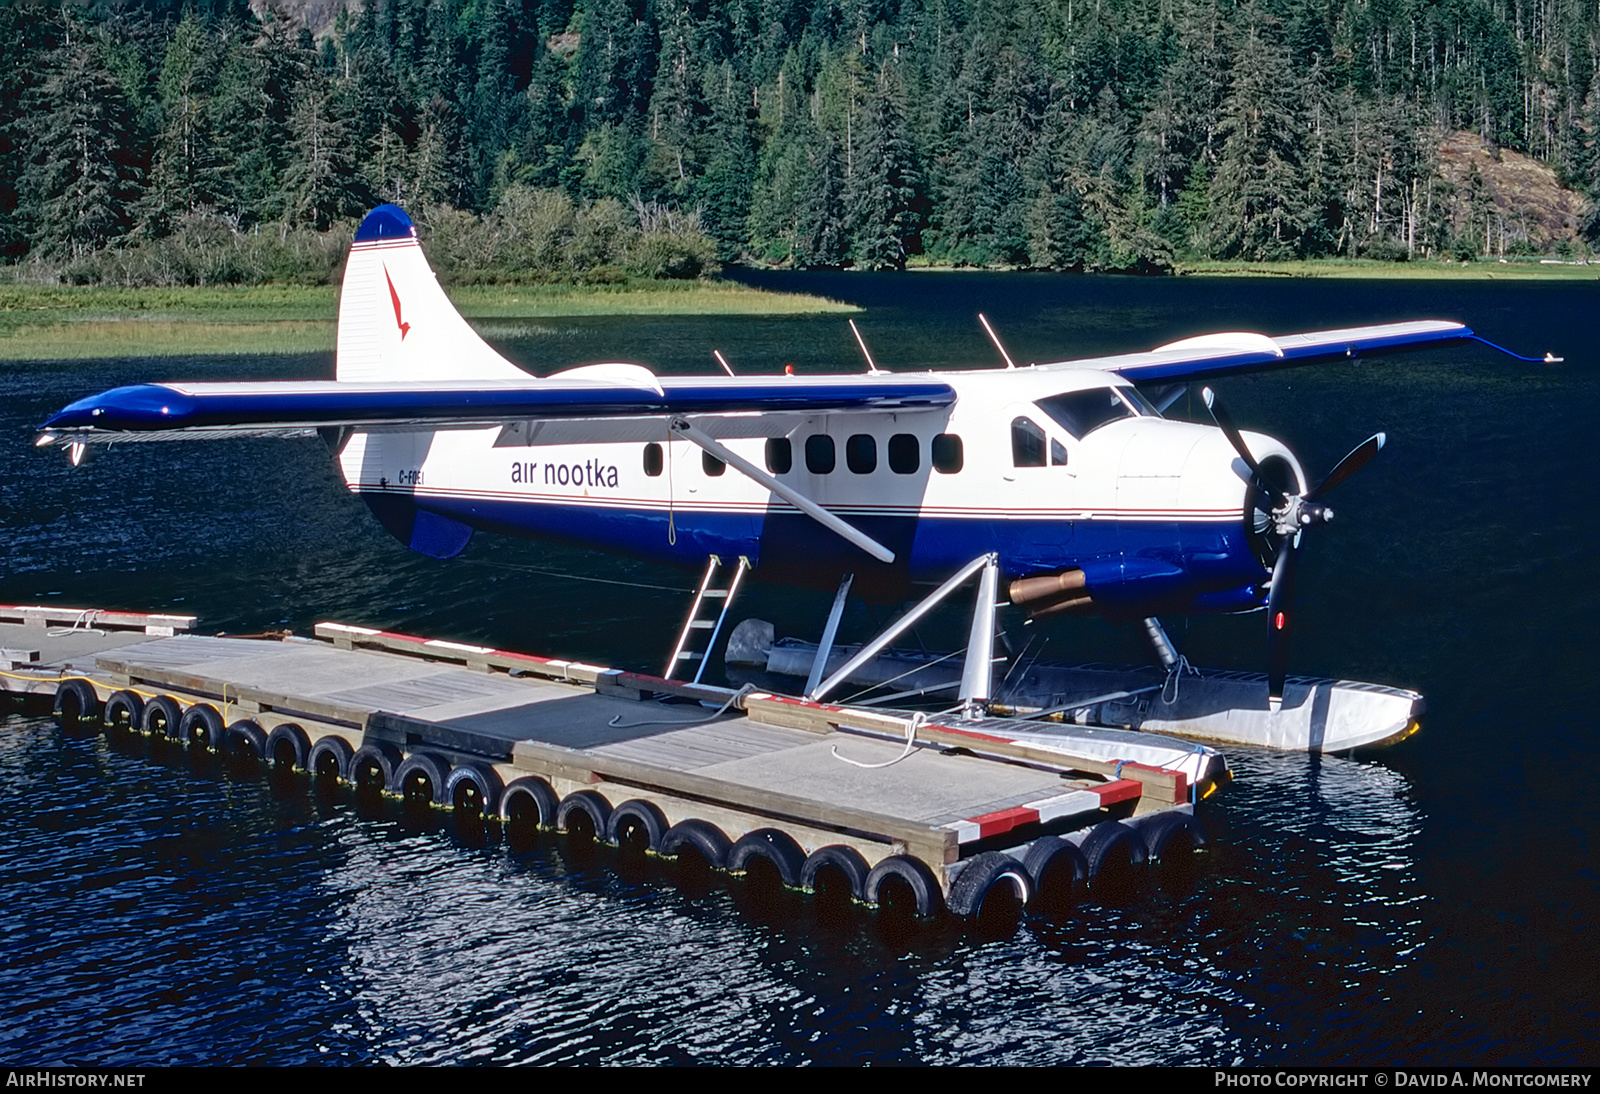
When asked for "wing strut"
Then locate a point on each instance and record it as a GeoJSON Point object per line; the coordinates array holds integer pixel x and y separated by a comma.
{"type": "Point", "coordinates": [810, 508]}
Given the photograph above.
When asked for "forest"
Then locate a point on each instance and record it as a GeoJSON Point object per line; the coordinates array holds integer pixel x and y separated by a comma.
{"type": "Point", "coordinates": [196, 142]}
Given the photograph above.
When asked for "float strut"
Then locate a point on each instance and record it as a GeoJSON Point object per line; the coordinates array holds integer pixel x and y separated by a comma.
{"type": "Point", "coordinates": [828, 633]}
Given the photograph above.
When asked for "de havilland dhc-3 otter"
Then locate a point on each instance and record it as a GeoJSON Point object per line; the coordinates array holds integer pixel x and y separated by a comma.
{"type": "Point", "coordinates": [1065, 474]}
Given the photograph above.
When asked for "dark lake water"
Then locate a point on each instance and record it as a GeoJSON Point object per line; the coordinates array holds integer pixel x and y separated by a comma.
{"type": "Point", "coordinates": [1436, 902]}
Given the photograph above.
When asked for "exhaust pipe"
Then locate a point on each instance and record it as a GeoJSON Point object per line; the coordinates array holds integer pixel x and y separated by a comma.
{"type": "Point", "coordinates": [1054, 594]}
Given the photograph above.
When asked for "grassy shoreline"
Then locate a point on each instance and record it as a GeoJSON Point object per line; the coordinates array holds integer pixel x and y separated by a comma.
{"type": "Point", "coordinates": [1511, 269]}
{"type": "Point", "coordinates": [56, 322]}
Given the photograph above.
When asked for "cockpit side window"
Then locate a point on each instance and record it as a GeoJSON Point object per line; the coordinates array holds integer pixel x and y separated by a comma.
{"type": "Point", "coordinates": [1027, 443]}
{"type": "Point", "coordinates": [1082, 412]}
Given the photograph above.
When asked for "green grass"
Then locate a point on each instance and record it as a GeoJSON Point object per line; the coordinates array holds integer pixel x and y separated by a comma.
{"type": "Point", "coordinates": [52, 322]}
{"type": "Point", "coordinates": [1512, 269]}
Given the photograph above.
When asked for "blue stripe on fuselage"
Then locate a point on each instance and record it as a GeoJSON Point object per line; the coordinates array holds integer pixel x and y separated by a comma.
{"type": "Point", "coordinates": [1135, 567]}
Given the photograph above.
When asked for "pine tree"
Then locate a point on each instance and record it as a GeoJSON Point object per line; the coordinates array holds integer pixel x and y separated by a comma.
{"type": "Point", "coordinates": [79, 178]}
{"type": "Point", "coordinates": [881, 192]}
{"type": "Point", "coordinates": [184, 173]}
{"type": "Point", "coordinates": [1258, 199]}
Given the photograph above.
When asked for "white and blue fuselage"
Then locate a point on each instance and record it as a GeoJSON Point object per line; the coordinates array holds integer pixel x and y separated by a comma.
{"type": "Point", "coordinates": [1057, 469]}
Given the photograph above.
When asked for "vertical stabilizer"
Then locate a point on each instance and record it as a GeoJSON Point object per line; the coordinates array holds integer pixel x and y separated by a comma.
{"type": "Point", "coordinates": [395, 322]}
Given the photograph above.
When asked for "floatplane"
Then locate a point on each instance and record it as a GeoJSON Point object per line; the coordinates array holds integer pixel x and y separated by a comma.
{"type": "Point", "coordinates": [1060, 483]}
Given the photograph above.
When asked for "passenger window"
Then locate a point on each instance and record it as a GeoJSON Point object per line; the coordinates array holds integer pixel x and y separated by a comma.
{"type": "Point", "coordinates": [1058, 453]}
{"type": "Point", "coordinates": [904, 454]}
{"type": "Point", "coordinates": [819, 454]}
{"type": "Point", "coordinates": [947, 455]}
{"type": "Point", "coordinates": [652, 459]}
{"type": "Point", "coordinates": [780, 455]}
{"type": "Point", "coordinates": [712, 465]}
{"type": "Point", "coordinates": [861, 454]}
{"type": "Point", "coordinates": [1027, 443]}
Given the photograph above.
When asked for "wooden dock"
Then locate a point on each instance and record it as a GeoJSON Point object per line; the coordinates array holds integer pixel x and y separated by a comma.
{"type": "Point", "coordinates": [888, 806]}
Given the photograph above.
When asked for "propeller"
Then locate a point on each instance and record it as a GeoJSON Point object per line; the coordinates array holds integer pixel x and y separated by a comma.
{"type": "Point", "coordinates": [1290, 515]}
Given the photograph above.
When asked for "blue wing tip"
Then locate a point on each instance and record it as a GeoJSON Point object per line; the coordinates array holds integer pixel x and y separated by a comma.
{"type": "Point", "coordinates": [386, 222]}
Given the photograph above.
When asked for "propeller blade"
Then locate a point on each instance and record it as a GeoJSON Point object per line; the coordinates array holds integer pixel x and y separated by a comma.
{"type": "Point", "coordinates": [1225, 423]}
{"type": "Point", "coordinates": [1355, 461]}
{"type": "Point", "coordinates": [1280, 616]}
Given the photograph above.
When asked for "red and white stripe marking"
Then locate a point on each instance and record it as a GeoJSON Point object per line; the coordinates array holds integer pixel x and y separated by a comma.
{"type": "Point", "coordinates": [1044, 810]}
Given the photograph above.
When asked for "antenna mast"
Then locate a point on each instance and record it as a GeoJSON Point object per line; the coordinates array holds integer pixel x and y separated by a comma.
{"type": "Point", "coordinates": [995, 338]}
{"type": "Point", "coordinates": [872, 366]}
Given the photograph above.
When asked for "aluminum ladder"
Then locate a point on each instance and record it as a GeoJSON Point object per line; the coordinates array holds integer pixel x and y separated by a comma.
{"type": "Point", "coordinates": [698, 622]}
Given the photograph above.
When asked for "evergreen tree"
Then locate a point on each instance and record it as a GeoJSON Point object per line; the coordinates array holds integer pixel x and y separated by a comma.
{"type": "Point", "coordinates": [881, 192]}
{"type": "Point", "coordinates": [1259, 204]}
{"type": "Point", "coordinates": [184, 170]}
{"type": "Point", "coordinates": [78, 179]}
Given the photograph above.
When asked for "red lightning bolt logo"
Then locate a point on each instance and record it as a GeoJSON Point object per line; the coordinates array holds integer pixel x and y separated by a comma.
{"type": "Point", "coordinates": [405, 328]}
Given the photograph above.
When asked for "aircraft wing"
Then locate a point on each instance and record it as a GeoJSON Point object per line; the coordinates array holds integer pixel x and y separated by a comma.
{"type": "Point", "coordinates": [1222, 354]}
{"type": "Point", "coordinates": [178, 411]}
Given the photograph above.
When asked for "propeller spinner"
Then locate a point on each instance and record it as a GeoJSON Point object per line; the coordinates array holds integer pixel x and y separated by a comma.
{"type": "Point", "coordinates": [1290, 515]}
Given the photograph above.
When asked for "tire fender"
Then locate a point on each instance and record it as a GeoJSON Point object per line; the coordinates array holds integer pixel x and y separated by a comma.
{"type": "Point", "coordinates": [1057, 869]}
{"type": "Point", "coordinates": [927, 897]}
{"type": "Point", "coordinates": [124, 710]}
{"type": "Point", "coordinates": [418, 769]}
{"type": "Point", "coordinates": [592, 804]}
{"type": "Point", "coordinates": [703, 837]}
{"type": "Point", "coordinates": [837, 856]}
{"type": "Point", "coordinates": [288, 745]}
{"type": "Point", "coordinates": [639, 815]}
{"type": "Point", "coordinates": [479, 780]}
{"type": "Point", "coordinates": [1109, 839]}
{"type": "Point", "coordinates": [76, 702]}
{"type": "Point", "coordinates": [777, 847]}
{"type": "Point", "coordinates": [201, 726]}
{"type": "Point", "coordinates": [331, 756]}
{"type": "Point", "coordinates": [161, 717]}
{"type": "Point", "coordinates": [373, 766]}
{"type": "Point", "coordinates": [529, 799]}
{"type": "Point", "coordinates": [246, 738]}
{"type": "Point", "coordinates": [981, 875]}
{"type": "Point", "coordinates": [1160, 830]}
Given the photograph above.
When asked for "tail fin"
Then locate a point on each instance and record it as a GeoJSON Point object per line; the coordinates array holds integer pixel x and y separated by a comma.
{"type": "Point", "coordinates": [395, 322]}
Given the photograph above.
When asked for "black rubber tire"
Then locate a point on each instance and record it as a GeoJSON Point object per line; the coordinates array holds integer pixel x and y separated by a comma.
{"type": "Point", "coordinates": [246, 738]}
{"type": "Point", "coordinates": [373, 766]}
{"type": "Point", "coordinates": [702, 837]}
{"type": "Point", "coordinates": [1110, 846]}
{"type": "Point", "coordinates": [634, 819]}
{"type": "Point", "coordinates": [330, 758]}
{"type": "Point", "coordinates": [528, 803]}
{"type": "Point", "coordinates": [980, 877]}
{"type": "Point", "coordinates": [926, 898]}
{"type": "Point", "coordinates": [1160, 831]}
{"type": "Point", "coordinates": [420, 779]}
{"type": "Point", "coordinates": [1058, 871]}
{"type": "Point", "coordinates": [473, 787]}
{"type": "Point", "coordinates": [836, 858]}
{"type": "Point", "coordinates": [76, 703]}
{"type": "Point", "coordinates": [777, 847]}
{"type": "Point", "coordinates": [592, 805]}
{"type": "Point", "coordinates": [161, 717]}
{"type": "Point", "coordinates": [202, 727]}
{"type": "Point", "coordinates": [124, 711]}
{"type": "Point", "coordinates": [288, 747]}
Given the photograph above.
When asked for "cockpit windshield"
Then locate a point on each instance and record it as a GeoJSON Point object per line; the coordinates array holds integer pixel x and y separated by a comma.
{"type": "Point", "coordinates": [1082, 412]}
